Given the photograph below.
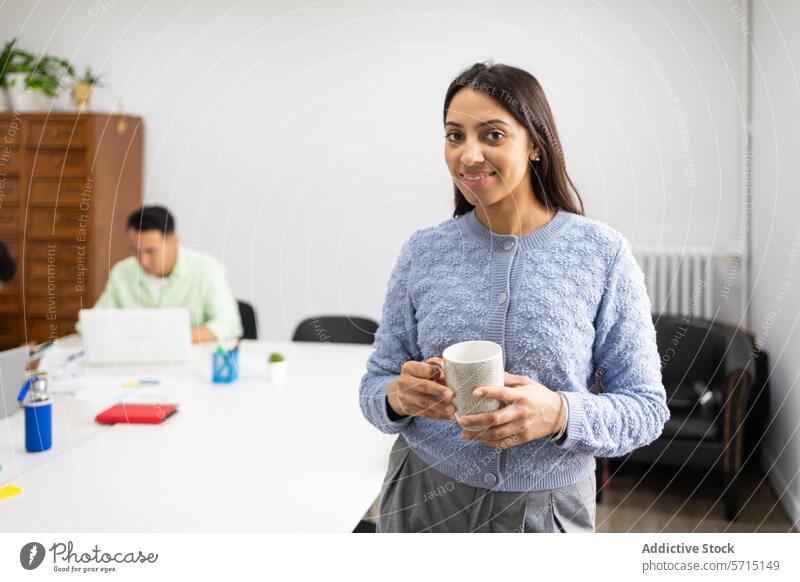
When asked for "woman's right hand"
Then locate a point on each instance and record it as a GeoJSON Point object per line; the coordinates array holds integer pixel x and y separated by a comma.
{"type": "Point", "coordinates": [416, 392]}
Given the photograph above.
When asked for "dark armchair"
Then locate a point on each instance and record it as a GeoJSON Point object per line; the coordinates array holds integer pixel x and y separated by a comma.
{"type": "Point", "coordinates": [708, 370]}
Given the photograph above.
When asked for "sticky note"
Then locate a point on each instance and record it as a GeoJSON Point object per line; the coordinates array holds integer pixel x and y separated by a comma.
{"type": "Point", "coordinates": [9, 491]}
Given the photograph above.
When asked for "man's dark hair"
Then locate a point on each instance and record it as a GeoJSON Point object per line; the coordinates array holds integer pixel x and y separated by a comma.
{"type": "Point", "coordinates": [152, 218]}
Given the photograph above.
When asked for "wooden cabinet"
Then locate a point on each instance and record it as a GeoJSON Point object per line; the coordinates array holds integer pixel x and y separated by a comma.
{"type": "Point", "coordinates": [67, 185]}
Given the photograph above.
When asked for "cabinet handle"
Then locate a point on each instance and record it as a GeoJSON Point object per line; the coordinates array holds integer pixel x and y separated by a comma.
{"type": "Point", "coordinates": [53, 133]}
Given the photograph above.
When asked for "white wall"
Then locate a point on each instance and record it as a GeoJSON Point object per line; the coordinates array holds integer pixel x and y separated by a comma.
{"type": "Point", "coordinates": [776, 232]}
{"type": "Point", "coordinates": [303, 144]}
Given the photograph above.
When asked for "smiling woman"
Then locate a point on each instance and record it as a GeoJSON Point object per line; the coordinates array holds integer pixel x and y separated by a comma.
{"type": "Point", "coordinates": [502, 144]}
{"type": "Point", "coordinates": [521, 266]}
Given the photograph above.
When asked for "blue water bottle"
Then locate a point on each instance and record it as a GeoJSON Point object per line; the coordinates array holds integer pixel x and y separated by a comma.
{"type": "Point", "coordinates": [38, 414]}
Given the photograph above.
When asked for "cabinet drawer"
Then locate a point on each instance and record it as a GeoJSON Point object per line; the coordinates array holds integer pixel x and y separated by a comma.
{"type": "Point", "coordinates": [55, 223]}
{"type": "Point", "coordinates": [9, 332]}
{"type": "Point", "coordinates": [56, 193]}
{"type": "Point", "coordinates": [12, 287]}
{"type": "Point", "coordinates": [58, 133]}
{"type": "Point", "coordinates": [10, 132]}
{"type": "Point", "coordinates": [9, 220]}
{"type": "Point", "coordinates": [62, 269]}
{"type": "Point", "coordinates": [65, 250]}
{"type": "Point", "coordinates": [62, 289]}
{"type": "Point", "coordinates": [9, 160]}
{"type": "Point", "coordinates": [9, 192]}
{"type": "Point", "coordinates": [56, 162]}
{"type": "Point", "coordinates": [63, 306]}
{"type": "Point", "coordinates": [9, 302]}
{"type": "Point", "coordinates": [13, 249]}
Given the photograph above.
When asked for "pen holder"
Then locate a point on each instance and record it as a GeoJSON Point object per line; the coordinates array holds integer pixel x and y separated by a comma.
{"type": "Point", "coordinates": [225, 368]}
{"type": "Point", "coordinates": [38, 425]}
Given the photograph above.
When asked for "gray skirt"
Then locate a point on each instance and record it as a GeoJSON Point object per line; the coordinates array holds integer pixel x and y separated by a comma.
{"type": "Point", "coordinates": [418, 498]}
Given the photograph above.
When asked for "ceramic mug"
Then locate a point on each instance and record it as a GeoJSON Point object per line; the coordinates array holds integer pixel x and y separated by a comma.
{"type": "Point", "coordinates": [468, 365]}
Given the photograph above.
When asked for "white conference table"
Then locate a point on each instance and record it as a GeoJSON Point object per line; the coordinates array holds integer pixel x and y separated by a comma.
{"type": "Point", "coordinates": [249, 456]}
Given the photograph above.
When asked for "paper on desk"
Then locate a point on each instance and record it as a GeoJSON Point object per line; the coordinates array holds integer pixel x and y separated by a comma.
{"type": "Point", "coordinates": [252, 367]}
{"type": "Point", "coordinates": [59, 357]}
{"type": "Point", "coordinates": [109, 388]}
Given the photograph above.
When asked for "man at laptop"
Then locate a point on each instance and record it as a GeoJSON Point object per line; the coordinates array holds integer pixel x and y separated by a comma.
{"type": "Point", "coordinates": [163, 273]}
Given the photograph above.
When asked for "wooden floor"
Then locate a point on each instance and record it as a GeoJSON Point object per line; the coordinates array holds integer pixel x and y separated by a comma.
{"type": "Point", "coordinates": [663, 500]}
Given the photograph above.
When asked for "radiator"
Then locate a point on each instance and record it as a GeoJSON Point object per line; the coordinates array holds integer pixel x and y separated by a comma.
{"type": "Point", "coordinates": [692, 281]}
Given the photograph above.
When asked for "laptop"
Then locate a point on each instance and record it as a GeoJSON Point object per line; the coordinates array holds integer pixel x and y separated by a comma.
{"type": "Point", "coordinates": [136, 336]}
{"type": "Point", "coordinates": [12, 371]}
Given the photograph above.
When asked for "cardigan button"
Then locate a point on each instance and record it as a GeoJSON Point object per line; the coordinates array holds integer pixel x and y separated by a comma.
{"type": "Point", "coordinates": [490, 479]}
{"type": "Point", "coordinates": [502, 298]}
{"type": "Point", "coordinates": [509, 245]}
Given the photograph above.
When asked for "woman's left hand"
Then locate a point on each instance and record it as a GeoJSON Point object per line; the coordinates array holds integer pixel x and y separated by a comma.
{"type": "Point", "coordinates": [532, 411]}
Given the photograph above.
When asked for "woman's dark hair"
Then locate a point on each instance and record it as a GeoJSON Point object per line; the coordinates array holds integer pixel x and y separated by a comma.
{"type": "Point", "coordinates": [519, 93]}
{"type": "Point", "coordinates": [152, 218]}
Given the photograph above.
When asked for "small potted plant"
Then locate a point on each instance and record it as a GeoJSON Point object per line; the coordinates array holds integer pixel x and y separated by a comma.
{"type": "Point", "coordinates": [82, 88]}
{"type": "Point", "coordinates": [276, 367]}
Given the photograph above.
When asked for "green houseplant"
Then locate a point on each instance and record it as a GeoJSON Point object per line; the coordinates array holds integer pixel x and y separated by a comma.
{"type": "Point", "coordinates": [13, 60]}
{"type": "Point", "coordinates": [15, 64]}
{"type": "Point", "coordinates": [47, 75]}
{"type": "Point", "coordinates": [32, 83]}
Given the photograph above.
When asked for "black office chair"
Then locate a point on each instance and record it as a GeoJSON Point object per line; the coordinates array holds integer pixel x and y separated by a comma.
{"type": "Point", "coordinates": [708, 371]}
{"type": "Point", "coordinates": [337, 329]}
{"type": "Point", "coordinates": [249, 320]}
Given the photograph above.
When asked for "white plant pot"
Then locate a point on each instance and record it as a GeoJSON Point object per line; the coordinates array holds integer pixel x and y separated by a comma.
{"type": "Point", "coordinates": [34, 101]}
{"type": "Point", "coordinates": [15, 86]}
{"type": "Point", "coordinates": [276, 371]}
{"type": "Point", "coordinates": [22, 99]}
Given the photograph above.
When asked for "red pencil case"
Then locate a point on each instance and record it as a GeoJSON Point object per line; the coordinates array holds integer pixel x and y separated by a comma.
{"type": "Point", "coordinates": [137, 413]}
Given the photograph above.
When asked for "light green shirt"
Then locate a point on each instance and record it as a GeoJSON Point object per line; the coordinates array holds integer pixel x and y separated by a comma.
{"type": "Point", "coordinates": [197, 283]}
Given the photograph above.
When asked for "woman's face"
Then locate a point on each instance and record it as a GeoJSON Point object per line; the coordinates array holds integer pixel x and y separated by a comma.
{"type": "Point", "coordinates": [487, 150]}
